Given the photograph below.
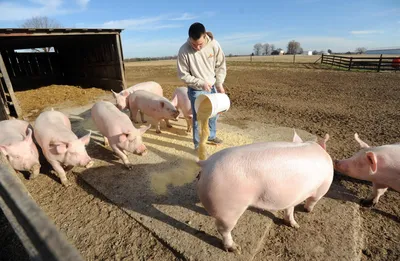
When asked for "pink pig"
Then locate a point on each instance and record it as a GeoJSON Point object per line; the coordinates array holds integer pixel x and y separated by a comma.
{"type": "Point", "coordinates": [380, 165]}
{"type": "Point", "coordinates": [122, 97]}
{"type": "Point", "coordinates": [267, 175]}
{"type": "Point", "coordinates": [17, 145]}
{"type": "Point", "coordinates": [118, 130]}
{"type": "Point", "coordinates": [181, 101]}
{"type": "Point", "coordinates": [60, 146]}
{"type": "Point", "coordinates": [153, 105]}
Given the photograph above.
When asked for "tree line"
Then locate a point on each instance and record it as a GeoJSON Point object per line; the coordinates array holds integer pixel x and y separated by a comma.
{"type": "Point", "coordinates": [293, 47]}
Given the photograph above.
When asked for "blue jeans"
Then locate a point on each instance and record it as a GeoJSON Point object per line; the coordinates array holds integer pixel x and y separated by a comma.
{"type": "Point", "coordinates": [212, 122]}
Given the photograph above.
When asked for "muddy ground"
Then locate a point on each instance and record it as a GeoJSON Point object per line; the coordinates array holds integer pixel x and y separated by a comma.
{"type": "Point", "coordinates": [316, 99]}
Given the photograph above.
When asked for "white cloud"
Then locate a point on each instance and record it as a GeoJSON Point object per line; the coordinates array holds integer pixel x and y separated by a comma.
{"type": "Point", "coordinates": [11, 11]}
{"type": "Point", "coordinates": [140, 24]}
{"type": "Point", "coordinates": [362, 32]}
{"type": "Point", "coordinates": [185, 16]}
{"type": "Point", "coordinates": [82, 3]}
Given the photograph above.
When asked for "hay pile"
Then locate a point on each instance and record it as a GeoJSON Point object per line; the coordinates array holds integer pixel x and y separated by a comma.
{"type": "Point", "coordinates": [33, 102]}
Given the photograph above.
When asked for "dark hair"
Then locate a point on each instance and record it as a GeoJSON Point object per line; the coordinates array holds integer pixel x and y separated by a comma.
{"type": "Point", "coordinates": [196, 30]}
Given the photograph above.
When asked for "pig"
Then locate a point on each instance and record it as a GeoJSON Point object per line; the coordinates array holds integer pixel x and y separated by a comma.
{"type": "Point", "coordinates": [153, 105]}
{"type": "Point", "coordinates": [119, 132]}
{"type": "Point", "coordinates": [60, 146]}
{"type": "Point", "coordinates": [17, 145]}
{"type": "Point", "coordinates": [379, 164]}
{"type": "Point", "coordinates": [266, 175]}
{"type": "Point", "coordinates": [121, 98]}
{"type": "Point", "coordinates": [181, 102]}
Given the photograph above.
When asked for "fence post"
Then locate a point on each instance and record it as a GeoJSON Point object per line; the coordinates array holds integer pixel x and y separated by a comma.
{"type": "Point", "coordinates": [322, 58]}
{"type": "Point", "coordinates": [294, 58]}
{"type": "Point", "coordinates": [351, 60]}
{"type": "Point", "coordinates": [333, 60]}
{"type": "Point", "coordinates": [340, 62]}
{"type": "Point", "coordinates": [380, 62]}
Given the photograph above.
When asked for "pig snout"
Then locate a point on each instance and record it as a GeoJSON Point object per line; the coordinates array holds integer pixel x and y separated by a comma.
{"type": "Point", "coordinates": [35, 170]}
{"type": "Point", "coordinates": [141, 150]}
{"type": "Point", "coordinates": [175, 114]}
{"type": "Point", "coordinates": [340, 166]}
{"type": "Point", "coordinates": [87, 162]}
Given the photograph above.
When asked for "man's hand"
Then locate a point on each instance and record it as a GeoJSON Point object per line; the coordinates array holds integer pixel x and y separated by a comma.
{"type": "Point", "coordinates": [220, 89]}
{"type": "Point", "coordinates": [207, 87]}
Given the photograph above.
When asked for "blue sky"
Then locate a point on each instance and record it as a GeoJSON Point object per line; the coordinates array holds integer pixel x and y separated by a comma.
{"type": "Point", "coordinates": [159, 27]}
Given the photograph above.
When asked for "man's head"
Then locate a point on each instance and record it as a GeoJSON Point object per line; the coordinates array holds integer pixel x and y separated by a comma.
{"type": "Point", "coordinates": [197, 36]}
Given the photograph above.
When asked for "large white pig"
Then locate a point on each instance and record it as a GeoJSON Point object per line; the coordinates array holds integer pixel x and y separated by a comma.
{"type": "Point", "coordinates": [118, 130]}
{"type": "Point", "coordinates": [17, 145]}
{"type": "Point", "coordinates": [153, 105]}
{"type": "Point", "coordinates": [267, 175]}
{"type": "Point", "coordinates": [380, 165]}
{"type": "Point", "coordinates": [121, 98]}
{"type": "Point", "coordinates": [60, 146]}
{"type": "Point", "coordinates": [181, 102]}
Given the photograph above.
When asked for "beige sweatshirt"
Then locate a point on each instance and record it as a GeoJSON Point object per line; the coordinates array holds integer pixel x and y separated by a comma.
{"type": "Point", "coordinates": [208, 65]}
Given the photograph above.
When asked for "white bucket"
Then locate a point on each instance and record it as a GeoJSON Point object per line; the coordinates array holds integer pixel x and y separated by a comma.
{"type": "Point", "coordinates": [219, 101]}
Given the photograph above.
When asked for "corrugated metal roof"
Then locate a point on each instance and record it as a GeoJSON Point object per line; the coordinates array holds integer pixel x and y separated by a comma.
{"type": "Point", "coordinates": [5, 32]}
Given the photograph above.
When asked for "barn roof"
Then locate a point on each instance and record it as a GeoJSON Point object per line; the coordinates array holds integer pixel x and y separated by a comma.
{"type": "Point", "coordinates": [25, 38]}
{"type": "Point", "coordinates": [9, 32]}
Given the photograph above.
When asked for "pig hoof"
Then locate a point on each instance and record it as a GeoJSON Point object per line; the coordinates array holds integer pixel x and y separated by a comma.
{"type": "Point", "coordinates": [129, 166]}
{"type": "Point", "coordinates": [169, 126]}
{"type": "Point", "coordinates": [235, 248]}
{"type": "Point", "coordinates": [367, 203]}
{"type": "Point", "coordinates": [66, 183]}
{"type": "Point", "coordinates": [291, 224]}
{"type": "Point", "coordinates": [158, 131]}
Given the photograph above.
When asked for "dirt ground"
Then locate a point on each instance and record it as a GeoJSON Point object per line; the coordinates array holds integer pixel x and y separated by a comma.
{"type": "Point", "coordinates": [306, 96]}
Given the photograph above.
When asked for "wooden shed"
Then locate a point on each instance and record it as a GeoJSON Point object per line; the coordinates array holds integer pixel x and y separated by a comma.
{"type": "Point", "coordinates": [83, 57]}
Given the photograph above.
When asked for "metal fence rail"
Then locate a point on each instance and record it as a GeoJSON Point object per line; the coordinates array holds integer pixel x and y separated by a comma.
{"type": "Point", "coordinates": [40, 237]}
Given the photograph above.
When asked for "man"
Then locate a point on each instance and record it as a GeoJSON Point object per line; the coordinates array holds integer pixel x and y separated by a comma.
{"type": "Point", "coordinates": [202, 66]}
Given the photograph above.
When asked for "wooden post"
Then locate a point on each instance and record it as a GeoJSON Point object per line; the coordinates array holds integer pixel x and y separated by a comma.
{"type": "Point", "coordinates": [294, 58]}
{"type": "Point", "coordinates": [9, 87]}
{"type": "Point", "coordinates": [340, 62]}
{"type": "Point", "coordinates": [3, 104]}
{"type": "Point", "coordinates": [351, 60]}
{"type": "Point", "coordinates": [121, 60]}
{"type": "Point", "coordinates": [333, 60]}
{"type": "Point", "coordinates": [380, 62]}
{"type": "Point", "coordinates": [322, 58]}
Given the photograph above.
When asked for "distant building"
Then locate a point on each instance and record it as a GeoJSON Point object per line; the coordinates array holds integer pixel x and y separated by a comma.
{"type": "Point", "coordinates": [388, 50]}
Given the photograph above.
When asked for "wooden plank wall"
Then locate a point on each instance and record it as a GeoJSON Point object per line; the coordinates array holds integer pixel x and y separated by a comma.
{"type": "Point", "coordinates": [94, 63]}
{"type": "Point", "coordinates": [33, 70]}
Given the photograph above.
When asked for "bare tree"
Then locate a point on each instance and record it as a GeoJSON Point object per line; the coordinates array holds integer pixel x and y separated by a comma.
{"type": "Point", "coordinates": [293, 47]}
{"type": "Point", "coordinates": [267, 48]}
{"type": "Point", "coordinates": [361, 50]}
{"type": "Point", "coordinates": [272, 48]}
{"type": "Point", "coordinates": [258, 48]}
{"type": "Point", "coordinates": [41, 22]}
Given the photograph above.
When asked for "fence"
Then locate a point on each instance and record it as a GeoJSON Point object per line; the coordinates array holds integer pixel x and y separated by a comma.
{"type": "Point", "coordinates": [378, 64]}
{"type": "Point", "coordinates": [37, 233]}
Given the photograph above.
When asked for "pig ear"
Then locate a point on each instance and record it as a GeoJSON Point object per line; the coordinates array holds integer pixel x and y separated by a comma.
{"type": "Point", "coordinates": [114, 93]}
{"type": "Point", "coordinates": [86, 139]}
{"type": "Point", "coordinates": [296, 137]}
{"type": "Point", "coordinates": [28, 137]}
{"type": "Point", "coordinates": [162, 104]}
{"type": "Point", "coordinates": [371, 157]}
{"type": "Point", "coordinates": [122, 137]}
{"type": "Point", "coordinates": [3, 149]}
{"type": "Point", "coordinates": [144, 129]}
{"type": "Point", "coordinates": [125, 94]}
{"type": "Point", "coordinates": [131, 135]}
{"type": "Point", "coordinates": [322, 142]}
{"type": "Point", "coordinates": [362, 143]}
{"type": "Point", "coordinates": [174, 101]}
{"type": "Point", "coordinates": [61, 147]}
